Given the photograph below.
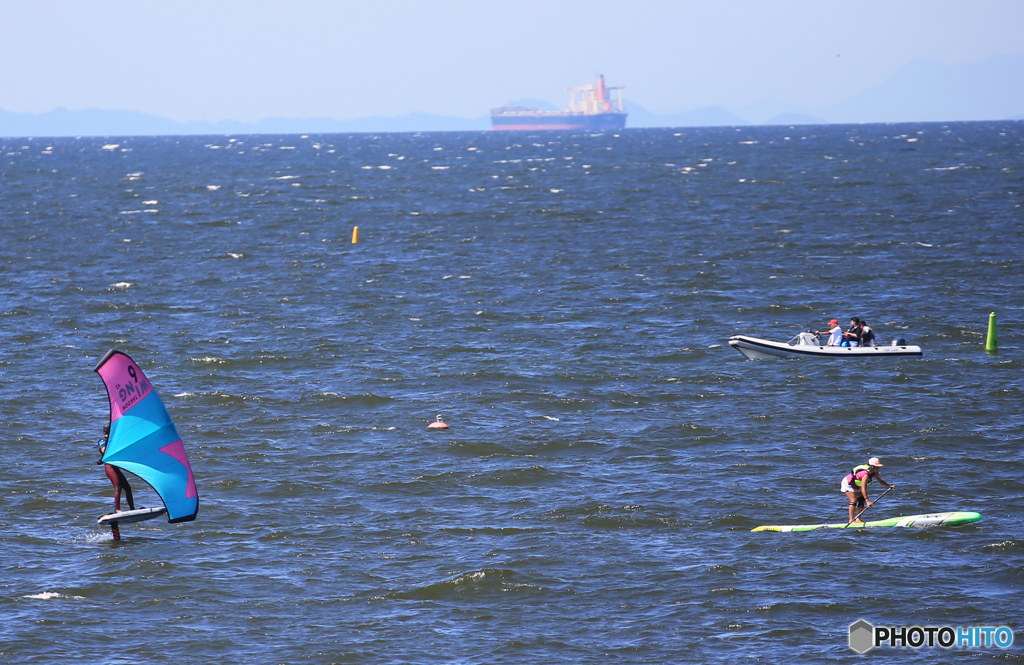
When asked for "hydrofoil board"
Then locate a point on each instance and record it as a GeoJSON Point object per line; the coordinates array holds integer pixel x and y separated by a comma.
{"type": "Point", "coordinates": [129, 516]}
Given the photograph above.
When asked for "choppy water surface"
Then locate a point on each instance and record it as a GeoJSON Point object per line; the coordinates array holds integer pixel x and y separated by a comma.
{"type": "Point", "coordinates": [564, 301]}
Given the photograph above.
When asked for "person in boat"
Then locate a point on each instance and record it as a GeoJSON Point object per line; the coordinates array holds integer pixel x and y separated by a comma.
{"type": "Point", "coordinates": [115, 475]}
{"type": "Point", "coordinates": [835, 333]}
{"type": "Point", "coordinates": [852, 336]}
{"type": "Point", "coordinates": [867, 335]}
{"type": "Point", "coordinates": [855, 486]}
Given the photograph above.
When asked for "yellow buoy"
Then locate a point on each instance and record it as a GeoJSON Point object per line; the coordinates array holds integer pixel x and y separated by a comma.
{"type": "Point", "coordinates": [355, 234]}
{"type": "Point", "coordinates": [992, 344]}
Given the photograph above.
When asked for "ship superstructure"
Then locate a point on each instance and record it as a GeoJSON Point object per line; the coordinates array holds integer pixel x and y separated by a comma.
{"type": "Point", "coordinates": [590, 107]}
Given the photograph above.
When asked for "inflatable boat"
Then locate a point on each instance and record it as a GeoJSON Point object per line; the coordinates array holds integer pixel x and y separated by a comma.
{"type": "Point", "coordinates": [806, 345]}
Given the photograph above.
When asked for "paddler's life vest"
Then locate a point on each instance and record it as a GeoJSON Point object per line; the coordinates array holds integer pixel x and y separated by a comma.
{"type": "Point", "coordinates": [852, 476]}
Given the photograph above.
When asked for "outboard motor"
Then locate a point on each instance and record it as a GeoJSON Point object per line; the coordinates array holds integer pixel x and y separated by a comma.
{"type": "Point", "coordinates": [899, 342]}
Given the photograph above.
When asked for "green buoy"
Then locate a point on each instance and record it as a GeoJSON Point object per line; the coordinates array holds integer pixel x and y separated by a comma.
{"type": "Point", "coordinates": [992, 344]}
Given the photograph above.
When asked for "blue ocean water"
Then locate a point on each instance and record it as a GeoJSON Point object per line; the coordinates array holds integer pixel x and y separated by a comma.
{"type": "Point", "coordinates": [563, 301]}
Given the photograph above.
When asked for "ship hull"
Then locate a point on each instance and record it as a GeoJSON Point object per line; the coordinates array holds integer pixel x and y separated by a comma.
{"type": "Point", "coordinates": [558, 121]}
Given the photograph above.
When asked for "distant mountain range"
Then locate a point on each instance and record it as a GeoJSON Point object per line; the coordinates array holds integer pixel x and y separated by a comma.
{"type": "Point", "coordinates": [922, 91]}
{"type": "Point", "coordinates": [96, 122]}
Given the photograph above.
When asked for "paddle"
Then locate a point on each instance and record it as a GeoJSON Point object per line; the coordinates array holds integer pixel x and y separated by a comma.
{"type": "Point", "coordinates": [832, 515]}
{"type": "Point", "coordinates": [866, 508]}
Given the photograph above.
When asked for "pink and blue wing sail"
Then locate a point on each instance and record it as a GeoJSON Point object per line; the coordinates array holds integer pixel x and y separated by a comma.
{"type": "Point", "coordinates": [143, 438]}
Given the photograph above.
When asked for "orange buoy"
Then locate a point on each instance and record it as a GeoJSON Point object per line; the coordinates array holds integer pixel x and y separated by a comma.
{"type": "Point", "coordinates": [437, 425]}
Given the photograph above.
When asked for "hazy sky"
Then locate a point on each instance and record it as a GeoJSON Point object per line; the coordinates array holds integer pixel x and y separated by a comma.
{"type": "Point", "coordinates": [246, 60]}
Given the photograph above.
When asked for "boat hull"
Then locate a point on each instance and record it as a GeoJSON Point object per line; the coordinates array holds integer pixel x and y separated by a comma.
{"type": "Point", "coordinates": [930, 519]}
{"type": "Point", "coordinates": [525, 120]}
{"type": "Point", "coordinates": [762, 349]}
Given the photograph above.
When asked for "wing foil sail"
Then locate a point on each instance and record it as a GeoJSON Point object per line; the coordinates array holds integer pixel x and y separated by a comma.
{"type": "Point", "coordinates": [143, 438]}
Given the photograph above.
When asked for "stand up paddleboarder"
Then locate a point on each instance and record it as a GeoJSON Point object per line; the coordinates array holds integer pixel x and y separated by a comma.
{"type": "Point", "coordinates": [855, 486]}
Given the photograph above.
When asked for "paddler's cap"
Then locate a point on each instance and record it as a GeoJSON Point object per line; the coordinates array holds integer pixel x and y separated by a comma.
{"type": "Point", "coordinates": [874, 461]}
{"type": "Point", "coordinates": [833, 322]}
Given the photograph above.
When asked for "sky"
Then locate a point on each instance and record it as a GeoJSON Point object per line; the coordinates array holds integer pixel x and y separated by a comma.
{"type": "Point", "coordinates": [216, 60]}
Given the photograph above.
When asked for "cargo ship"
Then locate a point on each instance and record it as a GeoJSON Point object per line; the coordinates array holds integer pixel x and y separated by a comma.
{"type": "Point", "coordinates": [590, 107]}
